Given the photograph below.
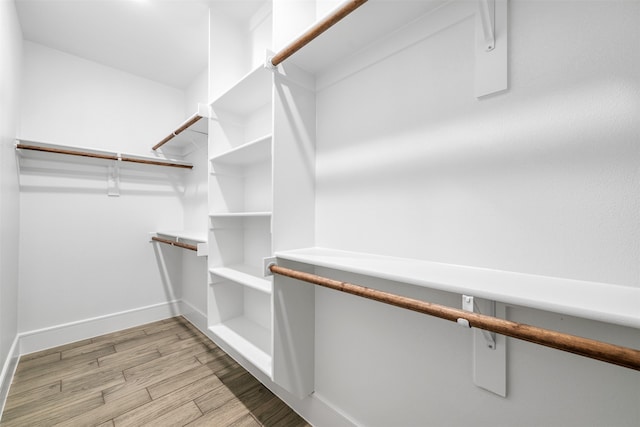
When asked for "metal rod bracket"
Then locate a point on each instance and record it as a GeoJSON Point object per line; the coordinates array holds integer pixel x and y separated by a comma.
{"type": "Point", "coordinates": [267, 263]}
{"type": "Point", "coordinates": [469, 304]}
{"type": "Point", "coordinates": [113, 179]}
{"type": "Point", "coordinates": [487, 17]}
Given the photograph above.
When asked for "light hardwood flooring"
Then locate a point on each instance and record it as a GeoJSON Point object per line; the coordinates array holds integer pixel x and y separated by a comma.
{"type": "Point", "coordinates": [165, 373]}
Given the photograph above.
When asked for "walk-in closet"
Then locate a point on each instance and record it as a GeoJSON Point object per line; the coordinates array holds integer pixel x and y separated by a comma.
{"type": "Point", "coordinates": [386, 213]}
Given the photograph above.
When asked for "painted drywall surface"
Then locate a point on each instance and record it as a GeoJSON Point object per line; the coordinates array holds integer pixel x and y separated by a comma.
{"type": "Point", "coordinates": [541, 179]}
{"type": "Point", "coordinates": [84, 254]}
{"type": "Point", "coordinates": [10, 73]}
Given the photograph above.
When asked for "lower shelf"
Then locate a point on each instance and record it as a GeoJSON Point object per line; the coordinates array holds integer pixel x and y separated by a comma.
{"type": "Point", "coordinates": [249, 339]}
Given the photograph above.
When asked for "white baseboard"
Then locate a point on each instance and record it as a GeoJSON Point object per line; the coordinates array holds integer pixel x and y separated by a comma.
{"type": "Point", "coordinates": [57, 335]}
{"type": "Point", "coordinates": [8, 369]}
{"type": "Point", "coordinates": [193, 315]}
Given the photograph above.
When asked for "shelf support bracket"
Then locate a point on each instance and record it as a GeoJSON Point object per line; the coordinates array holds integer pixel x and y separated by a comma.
{"type": "Point", "coordinates": [469, 304]}
{"type": "Point", "coordinates": [113, 179]}
{"type": "Point", "coordinates": [491, 47]}
{"type": "Point", "coordinates": [489, 349]}
{"type": "Point", "coordinates": [487, 17]}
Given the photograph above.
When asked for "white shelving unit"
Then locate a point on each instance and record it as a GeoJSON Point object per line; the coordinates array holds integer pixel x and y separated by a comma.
{"type": "Point", "coordinates": [241, 207]}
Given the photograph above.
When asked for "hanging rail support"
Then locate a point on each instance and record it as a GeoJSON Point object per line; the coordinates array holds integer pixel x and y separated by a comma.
{"type": "Point", "coordinates": [315, 31]}
{"type": "Point", "coordinates": [487, 16]}
{"type": "Point", "coordinates": [469, 304]}
{"type": "Point", "coordinates": [113, 180]}
{"type": "Point", "coordinates": [605, 352]}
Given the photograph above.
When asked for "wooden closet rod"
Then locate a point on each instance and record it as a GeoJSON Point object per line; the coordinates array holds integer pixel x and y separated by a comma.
{"type": "Point", "coordinates": [154, 162]}
{"type": "Point", "coordinates": [123, 158]}
{"type": "Point", "coordinates": [617, 355]}
{"type": "Point", "coordinates": [178, 131]}
{"type": "Point", "coordinates": [316, 30]}
{"type": "Point", "coordinates": [174, 243]}
{"type": "Point", "coordinates": [69, 152]}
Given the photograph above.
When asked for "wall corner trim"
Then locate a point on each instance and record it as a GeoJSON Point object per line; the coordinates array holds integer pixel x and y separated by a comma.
{"type": "Point", "coordinates": [8, 369]}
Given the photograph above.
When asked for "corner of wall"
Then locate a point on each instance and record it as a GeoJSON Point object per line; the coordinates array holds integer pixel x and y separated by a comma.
{"type": "Point", "coordinates": [10, 72]}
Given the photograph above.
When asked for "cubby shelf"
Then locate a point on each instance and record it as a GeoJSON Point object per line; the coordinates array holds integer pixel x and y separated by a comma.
{"type": "Point", "coordinates": [249, 339]}
{"type": "Point", "coordinates": [590, 300]}
{"type": "Point", "coordinates": [246, 275]}
{"type": "Point", "coordinates": [252, 152]}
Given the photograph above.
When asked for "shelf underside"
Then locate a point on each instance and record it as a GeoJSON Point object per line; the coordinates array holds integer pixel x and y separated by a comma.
{"type": "Point", "coordinates": [245, 275]}
{"type": "Point", "coordinates": [369, 23]}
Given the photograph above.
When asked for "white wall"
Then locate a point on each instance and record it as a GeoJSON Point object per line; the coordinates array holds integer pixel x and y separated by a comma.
{"type": "Point", "coordinates": [541, 179]}
{"type": "Point", "coordinates": [84, 254]}
{"type": "Point", "coordinates": [10, 74]}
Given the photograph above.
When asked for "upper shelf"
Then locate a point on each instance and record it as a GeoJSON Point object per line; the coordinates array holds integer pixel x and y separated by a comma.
{"type": "Point", "coordinates": [249, 94]}
{"type": "Point", "coordinates": [371, 21]}
{"type": "Point", "coordinates": [190, 133]}
{"type": "Point", "coordinates": [42, 150]}
{"type": "Point", "coordinates": [590, 300]}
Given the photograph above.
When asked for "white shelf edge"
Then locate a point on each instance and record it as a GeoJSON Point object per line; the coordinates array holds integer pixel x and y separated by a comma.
{"type": "Point", "coordinates": [245, 276]}
{"type": "Point", "coordinates": [265, 214]}
{"type": "Point", "coordinates": [243, 344]}
{"type": "Point", "coordinates": [609, 303]}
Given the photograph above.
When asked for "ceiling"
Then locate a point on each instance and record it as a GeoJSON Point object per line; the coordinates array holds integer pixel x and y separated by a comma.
{"type": "Point", "coordinates": [161, 40]}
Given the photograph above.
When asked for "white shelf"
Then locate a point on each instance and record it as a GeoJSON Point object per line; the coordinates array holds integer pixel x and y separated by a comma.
{"type": "Point", "coordinates": [186, 236]}
{"type": "Point", "coordinates": [240, 215]}
{"type": "Point", "coordinates": [81, 155]}
{"type": "Point", "coordinates": [252, 152]}
{"type": "Point", "coordinates": [245, 275]}
{"type": "Point", "coordinates": [363, 27]}
{"type": "Point", "coordinates": [249, 94]}
{"type": "Point", "coordinates": [192, 236]}
{"type": "Point", "coordinates": [249, 339]}
{"type": "Point", "coordinates": [185, 141]}
{"type": "Point", "coordinates": [591, 300]}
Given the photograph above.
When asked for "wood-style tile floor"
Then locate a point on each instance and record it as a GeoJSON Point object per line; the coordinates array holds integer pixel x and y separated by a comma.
{"type": "Point", "coordinates": [165, 373]}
